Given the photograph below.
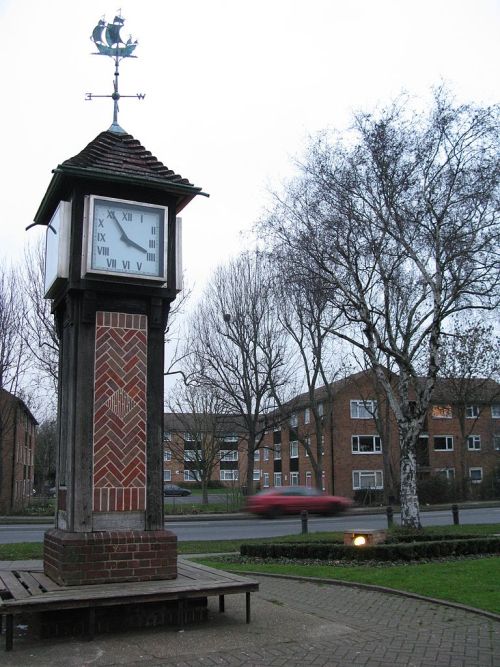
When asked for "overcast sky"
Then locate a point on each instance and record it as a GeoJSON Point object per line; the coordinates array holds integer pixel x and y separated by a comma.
{"type": "Point", "coordinates": [233, 91]}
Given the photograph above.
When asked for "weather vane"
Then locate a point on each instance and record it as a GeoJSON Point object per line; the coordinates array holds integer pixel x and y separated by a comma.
{"type": "Point", "coordinates": [107, 38]}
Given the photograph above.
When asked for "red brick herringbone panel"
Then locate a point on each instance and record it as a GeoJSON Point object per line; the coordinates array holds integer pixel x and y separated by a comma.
{"type": "Point", "coordinates": [120, 412]}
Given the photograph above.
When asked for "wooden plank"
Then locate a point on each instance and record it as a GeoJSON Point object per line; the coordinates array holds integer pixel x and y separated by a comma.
{"type": "Point", "coordinates": [44, 581]}
{"type": "Point", "coordinates": [14, 586]}
{"type": "Point", "coordinates": [32, 584]}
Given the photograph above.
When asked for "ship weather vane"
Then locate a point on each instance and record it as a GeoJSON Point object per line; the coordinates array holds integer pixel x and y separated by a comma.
{"type": "Point", "coordinates": [107, 38]}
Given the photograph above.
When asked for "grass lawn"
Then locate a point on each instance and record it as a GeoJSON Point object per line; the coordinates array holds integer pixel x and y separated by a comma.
{"type": "Point", "coordinates": [471, 581]}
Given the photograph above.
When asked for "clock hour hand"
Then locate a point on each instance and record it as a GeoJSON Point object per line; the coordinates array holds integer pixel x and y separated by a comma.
{"type": "Point", "coordinates": [125, 238]}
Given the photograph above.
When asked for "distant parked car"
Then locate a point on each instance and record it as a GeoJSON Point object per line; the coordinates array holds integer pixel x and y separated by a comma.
{"type": "Point", "coordinates": [274, 502]}
{"type": "Point", "coordinates": [174, 490]}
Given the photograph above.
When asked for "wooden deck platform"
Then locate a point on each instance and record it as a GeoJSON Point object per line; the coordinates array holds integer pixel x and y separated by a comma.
{"type": "Point", "coordinates": [23, 592]}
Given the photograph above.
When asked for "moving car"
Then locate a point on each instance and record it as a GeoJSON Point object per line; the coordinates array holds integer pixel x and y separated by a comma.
{"type": "Point", "coordinates": [174, 490]}
{"type": "Point", "coordinates": [293, 499]}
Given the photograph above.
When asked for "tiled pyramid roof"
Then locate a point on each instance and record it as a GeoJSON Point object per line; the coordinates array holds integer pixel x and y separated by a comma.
{"type": "Point", "coordinates": [122, 154]}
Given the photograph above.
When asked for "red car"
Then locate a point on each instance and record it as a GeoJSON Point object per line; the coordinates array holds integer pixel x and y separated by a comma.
{"type": "Point", "coordinates": [293, 499]}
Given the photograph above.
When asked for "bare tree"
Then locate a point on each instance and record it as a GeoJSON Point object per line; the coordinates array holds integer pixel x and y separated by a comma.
{"type": "Point", "coordinates": [400, 221]}
{"type": "Point", "coordinates": [39, 330]}
{"type": "Point", "coordinates": [201, 425]}
{"type": "Point", "coordinates": [237, 349]}
{"type": "Point", "coordinates": [306, 316]}
{"type": "Point", "coordinates": [469, 368]}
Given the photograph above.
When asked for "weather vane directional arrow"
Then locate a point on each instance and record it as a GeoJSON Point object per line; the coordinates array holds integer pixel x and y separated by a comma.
{"type": "Point", "coordinates": [107, 38]}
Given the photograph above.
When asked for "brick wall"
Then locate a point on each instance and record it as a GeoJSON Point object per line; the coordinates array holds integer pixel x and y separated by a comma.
{"type": "Point", "coordinates": [75, 559]}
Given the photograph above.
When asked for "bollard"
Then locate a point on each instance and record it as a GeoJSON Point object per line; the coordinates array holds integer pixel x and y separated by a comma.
{"type": "Point", "coordinates": [303, 518]}
{"type": "Point", "coordinates": [454, 510]}
{"type": "Point", "coordinates": [390, 516]}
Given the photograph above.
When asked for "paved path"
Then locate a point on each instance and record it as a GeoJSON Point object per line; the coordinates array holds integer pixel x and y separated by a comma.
{"type": "Point", "coordinates": [294, 623]}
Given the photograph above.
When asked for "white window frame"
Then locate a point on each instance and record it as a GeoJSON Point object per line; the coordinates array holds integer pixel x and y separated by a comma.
{"type": "Point", "coordinates": [167, 436]}
{"type": "Point", "coordinates": [447, 473]}
{"type": "Point", "coordinates": [229, 475]}
{"type": "Point", "coordinates": [190, 455]}
{"type": "Point", "coordinates": [307, 441]}
{"type": "Point", "coordinates": [167, 455]}
{"type": "Point", "coordinates": [359, 475]}
{"type": "Point", "coordinates": [496, 442]}
{"type": "Point", "coordinates": [167, 475]}
{"type": "Point", "coordinates": [472, 411]}
{"type": "Point", "coordinates": [363, 409]}
{"type": "Point", "coordinates": [321, 409]}
{"type": "Point", "coordinates": [256, 475]}
{"type": "Point", "coordinates": [495, 411]}
{"type": "Point", "coordinates": [277, 452]}
{"type": "Point", "coordinates": [191, 475]}
{"type": "Point", "coordinates": [476, 481]}
{"type": "Point", "coordinates": [294, 479]}
{"type": "Point", "coordinates": [294, 420]}
{"type": "Point", "coordinates": [230, 437]}
{"type": "Point", "coordinates": [440, 411]}
{"type": "Point", "coordinates": [266, 454]}
{"type": "Point", "coordinates": [307, 416]}
{"type": "Point", "coordinates": [265, 480]}
{"type": "Point", "coordinates": [228, 454]}
{"type": "Point", "coordinates": [474, 443]}
{"type": "Point", "coordinates": [277, 478]}
{"type": "Point", "coordinates": [294, 449]}
{"type": "Point", "coordinates": [188, 437]}
{"type": "Point", "coordinates": [309, 478]}
{"type": "Point", "coordinates": [376, 444]}
{"type": "Point", "coordinates": [256, 455]}
{"type": "Point", "coordinates": [449, 443]}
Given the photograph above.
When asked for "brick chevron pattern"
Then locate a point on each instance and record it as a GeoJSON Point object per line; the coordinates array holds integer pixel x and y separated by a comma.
{"type": "Point", "coordinates": [119, 467]}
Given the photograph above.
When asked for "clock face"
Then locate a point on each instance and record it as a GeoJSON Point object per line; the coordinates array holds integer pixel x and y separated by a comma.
{"type": "Point", "coordinates": [126, 238]}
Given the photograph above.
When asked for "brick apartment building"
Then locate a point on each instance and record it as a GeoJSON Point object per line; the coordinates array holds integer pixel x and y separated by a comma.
{"type": "Point", "coordinates": [458, 442]}
{"type": "Point", "coordinates": [17, 453]}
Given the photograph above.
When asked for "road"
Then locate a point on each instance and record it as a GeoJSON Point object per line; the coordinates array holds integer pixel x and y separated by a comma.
{"type": "Point", "coordinates": [247, 528]}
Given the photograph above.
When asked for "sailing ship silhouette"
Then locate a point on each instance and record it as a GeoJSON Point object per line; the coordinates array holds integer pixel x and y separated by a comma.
{"type": "Point", "coordinates": [106, 37]}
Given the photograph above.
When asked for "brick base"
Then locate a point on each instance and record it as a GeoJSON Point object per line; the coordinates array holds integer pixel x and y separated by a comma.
{"type": "Point", "coordinates": [76, 559]}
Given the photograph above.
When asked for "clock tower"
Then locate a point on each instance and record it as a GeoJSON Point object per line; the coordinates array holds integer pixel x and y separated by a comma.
{"type": "Point", "coordinates": [112, 271]}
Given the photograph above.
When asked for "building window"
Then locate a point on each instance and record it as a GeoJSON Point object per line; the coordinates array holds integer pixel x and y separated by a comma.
{"type": "Point", "coordinates": [472, 411]}
{"type": "Point", "coordinates": [320, 409]}
{"type": "Point", "coordinates": [309, 479]}
{"type": "Point", "coordinates": [256, 475]}
{"type": "Point", "coordinates": [167, 475]}
{"type": "Point", "coordinates": [167, 436]}
{"type": "Point", "coordinates": [307, 416]}
{"type": "Point", "coordinates": [496, 443]}
{"type": "Point", "coordinates": [265, 480]}
{"type": "Point", "coordinates": [367, 479]}
{"type": "Point", "coordinates": [293, 421]}
{"type": "Point", "coordinates": [307, 445]}
{"type": "Point", "coordinates": [167, 455]}
{"type": "Point", "coordinates": [266, 453]}
{"type": "Point", "coordinates": [191, 475]}
{"type": "Point", "coordinates": [476, 475]}
{"type": "Point", "coordinates": [277, 453]}
{"type": "Point", "coordinates": [294, 450]}
{"type": "Point", "coordinates": [366, 444]}
{"type": "Point", "coordinates": [474, 442]}
{"type": "Point", "coordinates": [230, 437]}
{"type": "Point", "coordinates": [363, 409]}
{"type": "Point", "coordinates": [228, 454]}
{"type": "Point", "coordinates": [443, 443]}
{"type": "Point", "coordinates": [229, 475]}
{"type": "Point", "coordinates": [188, 437]}
{"type": "Point", "coordinates": [294, 479]}
{"type": "Point", "coordinates": [495, 411]}
{"type": "Point", "coordinates": [190, 454]}
{"type": "Point", "coordinates": [256, 455]}
{"type": "Point", "coordinates": [442, 411]}
{"type": "Point", "coordinates": [447, 473]}
{"type": "Point", "coordinates": [277, 479]}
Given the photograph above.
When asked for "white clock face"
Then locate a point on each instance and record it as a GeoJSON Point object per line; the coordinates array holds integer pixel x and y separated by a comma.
{"type": "Point", "coordinates": [127, 238]}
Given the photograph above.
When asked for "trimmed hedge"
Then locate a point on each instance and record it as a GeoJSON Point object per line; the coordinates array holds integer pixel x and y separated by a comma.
{"type": "Point", "coordinates": [425, 537]}
{"type": "Point", "coordinates": [381, 552]}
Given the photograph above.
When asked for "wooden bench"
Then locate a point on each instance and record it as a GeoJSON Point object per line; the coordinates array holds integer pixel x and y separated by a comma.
{"type": "Point", "coordinates": [23, 592]}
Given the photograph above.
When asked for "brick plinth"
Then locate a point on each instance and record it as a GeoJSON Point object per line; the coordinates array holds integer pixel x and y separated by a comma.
{"type": "Point", "coordinates": [76, 559]}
